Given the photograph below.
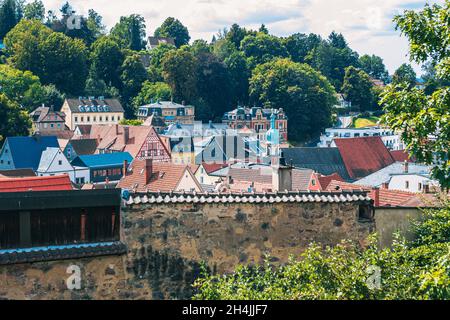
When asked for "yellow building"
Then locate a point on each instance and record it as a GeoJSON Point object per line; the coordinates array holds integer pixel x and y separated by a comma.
{"type": "Point", "coordinates": [90, 110]}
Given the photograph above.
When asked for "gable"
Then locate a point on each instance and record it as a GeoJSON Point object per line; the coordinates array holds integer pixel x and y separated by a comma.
{"type": "Point", "coordinates": [6, 159]}
{"type": "Point", "coordinates": [188, 182]}
{"type": "Point", "coordinates": [153, 148]}
{"type": "Point", "coordinates": [55, 166]}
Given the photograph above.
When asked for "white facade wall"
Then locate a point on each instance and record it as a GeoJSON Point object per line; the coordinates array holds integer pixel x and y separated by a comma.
{"type": "Point", "coordinates": [390, 139]}
{"type": "Point", "coordinates": [410, 182]}
{"type": "Point", "coordinates": [187, 183]}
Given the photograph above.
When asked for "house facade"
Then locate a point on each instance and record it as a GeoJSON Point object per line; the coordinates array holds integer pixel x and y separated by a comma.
{"type": "Point", "coordinates": [24, 152]}
{"type": "Point", "coordinates": [104, 168]}
{"type": "Point", "coordinates": [146, 175]}
{"type": "Point", "coordinates": [169, 111]}
{"type": "Point", "coordinates": [258, 120]}
{"type": "Point", "coordinates": [92, 110]}
{"type": "Point", "coordinates": [53, 163]}
{"type": "Point", "coordinates": [391, 140]}
{"type": "Point", "coordinates": [46, 120]}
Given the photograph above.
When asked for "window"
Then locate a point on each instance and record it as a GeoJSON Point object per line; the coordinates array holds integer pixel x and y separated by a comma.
{"type": "Point", "coordinates": [101, 118]}
{"type": "Point", "coordinates": [406, 184]}
{"type": "Point", "coordinates": [76, 119]}
{"type": "Point", "coordinates": [112, 118]}
{"type": "Point", "coordinates": [60, 162]}
{"type": "Point", "coordinates": [45, 125]}
{"type": "Point", "coordinates": [420, 186]}
{"type": "Point", "coordinates": [51, 125]}
{"type": "Point", "coordinates": [106, 118]}
{"type": "Point", "coordinates": [313, 182]}
{"type": "Point", "coordinates": [88, 119]}
{"type": "Point", "coordinates": [82, 119]}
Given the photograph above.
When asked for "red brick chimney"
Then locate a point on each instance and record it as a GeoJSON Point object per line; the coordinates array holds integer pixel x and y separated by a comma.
{"type": "Point", "coordinates": [375, 195]}
{"type": "Point", "coordinates": [125, 167]}
{"type": "Point", "coordinates": [126, 134]}
{"type": "Point", "coordinates": [148, 170]}
{"type": "Point", "coordinates": [117, 129]}
{"type": "Point", "coordinates": [385, 185]}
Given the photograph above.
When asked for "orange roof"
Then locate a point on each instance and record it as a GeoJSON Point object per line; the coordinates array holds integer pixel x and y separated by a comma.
{"type": "Point", "coordinates": [401, 156]}
{"type": "Point", "coordinates": [113, 137]}
{"type": "Point", "coordinates": [326, 180]}
{"type": "Point", "coordinates": [387, 198]}
{"type": "Point", "coordinates": [54, 183]}
{"type": "Point", "coordinates": [212, 167]}
{"type": "Point", "coordinates": [363, 156]}
{"type": "Point", "coordinates": [165, 177]}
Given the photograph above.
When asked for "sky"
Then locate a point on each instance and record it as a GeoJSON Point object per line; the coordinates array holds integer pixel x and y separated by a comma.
{"type": "Point", "coordinates": [366, 24]}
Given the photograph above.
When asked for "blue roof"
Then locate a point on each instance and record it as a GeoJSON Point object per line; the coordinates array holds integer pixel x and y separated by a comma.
{"type": "Point", "coordinates": [103, 160]}
{"type": "Point", "coordinates": [26, 151]}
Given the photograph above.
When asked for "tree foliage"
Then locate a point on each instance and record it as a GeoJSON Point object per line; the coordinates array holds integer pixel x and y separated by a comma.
{"type": "Point", "coordinates": [10, 14]}
{"type": "Point", "coordinates": [15, 121]}
{"type": "Point", "coordinates": [152, 92]}
{"type": "Point", "coordinates": [405, 74]}
{"type": "Point", "coordinates": [129, 32]}
{"type": "Point", "coordinates": [424, 120]}
{"type": "Point", "coordinates": [374, 67]}
{"type": "Point", "coordinates": [357, 88]}
{"type": "Point", "coordinates": [304, 94]}
{"type": "Point", "coordinates": [173, 28]}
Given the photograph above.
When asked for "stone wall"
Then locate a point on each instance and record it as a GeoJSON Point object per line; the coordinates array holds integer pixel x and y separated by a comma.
{"type": "Point", "coordinates": [168, 242]}
{"type": "Point", "coordinates": [392, 220]}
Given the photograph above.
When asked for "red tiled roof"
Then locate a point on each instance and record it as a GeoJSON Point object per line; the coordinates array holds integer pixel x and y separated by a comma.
{"type": "Point", "coordinates": [325, 180]}
{"type": "Point", "coordinates": [165, 177]}
{"type": "Point", "coordinates": [54, 183]}
{"type": "Point", "coordinates": [401, 156]}
{"type": "Point", "coordinates": [363, 156]}
{"type": "Point", "coordinates": [212, 167]}
{"type": "Point", "coordinates": [387, 198]}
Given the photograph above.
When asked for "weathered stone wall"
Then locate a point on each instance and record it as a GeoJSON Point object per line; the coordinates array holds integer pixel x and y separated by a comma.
{"type": "Point", "coordinates": [168, 242]}
{"type": "Point", "coordinates": [392, 220]}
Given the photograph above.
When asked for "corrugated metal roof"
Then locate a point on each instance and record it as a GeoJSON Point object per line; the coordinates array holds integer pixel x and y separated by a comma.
{"type": "Point", "coordinates": [102, 160]}
{"type": "Point", "coordinates": [322, 160]}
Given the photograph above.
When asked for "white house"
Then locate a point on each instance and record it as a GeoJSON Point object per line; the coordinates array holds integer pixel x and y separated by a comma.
{"type": "Point", "coordinates": [53, 162]}
{"type": "Point", "coordinates": [411, 177]}
{"type": "Point", "coordinates": [390, 139]}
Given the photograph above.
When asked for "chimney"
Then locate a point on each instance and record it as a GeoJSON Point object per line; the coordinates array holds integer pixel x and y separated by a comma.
{"type": "Point", "coordinates": [405, 166]}
{"type": "Point", "coordinates": [375, 195]}
{"type": "Point", "coordinates": [148, 170]}
{"type": "Point", "coordinates": [126, 134]}
{"type": "Point", "coordinates": [125, 167]}
{"type": "Point", "coordinates": [385, 185]}
{"type": "Point", "coordinates": [117, 129]}
{"type": "Point", "coordinates": [281, 178]}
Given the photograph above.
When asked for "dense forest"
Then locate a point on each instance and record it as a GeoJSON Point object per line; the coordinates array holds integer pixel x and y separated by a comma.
{"type": "Point", "coordinates": [46, 59]}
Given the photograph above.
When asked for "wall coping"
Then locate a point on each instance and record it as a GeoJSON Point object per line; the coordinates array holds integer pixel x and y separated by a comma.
{"type": "Point", "coordinates": [254, 198]}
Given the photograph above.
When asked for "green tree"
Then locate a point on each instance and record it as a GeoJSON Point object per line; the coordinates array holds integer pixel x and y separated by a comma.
{"type": "Point", "coordinates": [331, 58]}
{"type": "Point", "coordinates": [261, 48]}
{"type": "Point", "coordinates": [52, 56]}
{"type": "Point", "coordinates": [374, 67]}
{"type": "Point", "coordinates": [424, 119]}
{"type": "Point", "coordinates": [129, 32]}
{"type": "Point", "coordinates": [10, 15]}
{"type": "Point", "coordinates": [173, 28]}
{"type": "Point", "coordinates": [133, 76]}
{"type": "Point", "coordinates": [133, 122]}
{"type": "Point", "coordinates": [305, 95]}
{"type": "Point", "coordinates": [236, 34]}
{"type": "Point", "coordinates": [63, 63]}
{"type": "Point", "coordinates": [25, 89]}
{"type": "Point", "coordinates": [15, 121]}
{"type": "Point", "coordinates": [179, 72]}
{"type": "Point", "coordinates": [213, 86]}
{"type": "Point", "coordinates": [300, 44]}
{"type": "Point", "coordinates": [34, 10]}
{"type": "Point", "coordinates": [152, 91]}
{"type": "Point", "coordinates": [239, 77]}
{"type": "Point", "coordinates": [357, 88]}
{"type": "Point", "coordinates": [106, 60]}
{"type": "Point", "coordinates": [405, 74]}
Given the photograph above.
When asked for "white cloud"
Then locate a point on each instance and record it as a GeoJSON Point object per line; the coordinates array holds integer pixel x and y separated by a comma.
{"type": "Point", "coordinates": [366, 24]}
